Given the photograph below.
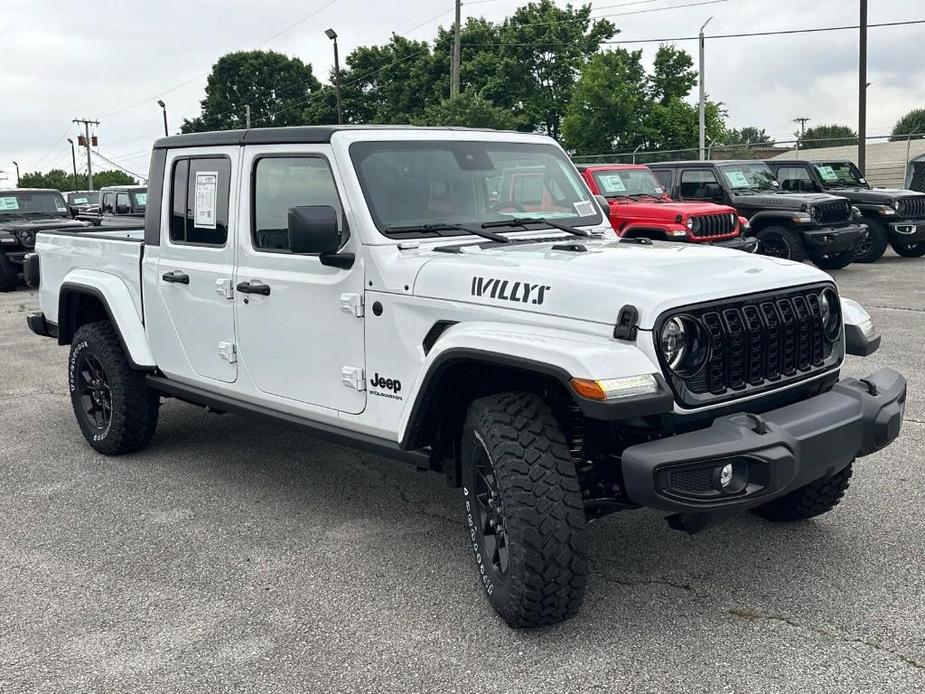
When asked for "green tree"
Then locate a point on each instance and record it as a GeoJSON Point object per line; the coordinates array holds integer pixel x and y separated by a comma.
{"type": "Point", "coordinates": [111, 177]}
{"type": "Point", "coordinates": [471, 111]}
{"type": "Point", "coordinates": [749, 135]}
{"type": "Point", "coordinates": [541, 53]}
{"type": "Point", "coordinates": [673, 75]}
{"type": "Point", "coordinates": [275, 86]}
{"type": "Point", "coordinates": [913, 123]}
{"type": "Point", "coordinates": [828, 136]}
{"type": "Point", "coordinates": [60, 180]}
{"type": "Point", "coordinates": [608, 109]}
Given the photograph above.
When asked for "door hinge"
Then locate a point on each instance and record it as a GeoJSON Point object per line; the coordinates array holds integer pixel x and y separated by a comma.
{"type": "Point", "coordinates": [228, 352]}
{"type": "Point", "coordinates": [223, 288]}
{"type": "Point", "coordinates": [352, 303]}
{"type": "Point", "coordinates": [354, 377]}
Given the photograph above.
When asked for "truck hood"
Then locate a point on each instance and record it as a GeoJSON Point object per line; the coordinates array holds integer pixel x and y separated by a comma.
{"type": "Point", "coordinates": [669, 210]}
{"type": "Point", "coordinates": [784, 201]}
{"type": "Point", "coordinates": [593, 285]}
{"type": "Point", "coordinates": [875, 195]}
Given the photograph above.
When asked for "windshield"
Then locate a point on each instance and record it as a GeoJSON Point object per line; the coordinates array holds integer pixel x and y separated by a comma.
{"type": "Point", "coordinates": [411, 184]}
{"type": "Point", "coordinates": [139, 200]}
{"type": "Point", "coordinates": [83, 198]}
{"type": "Point", "coordinates": [840, 173]}
{"type": "Point", "coordinates": [746, 176]}
{"type": "Point", "coordinates": [27, 202]}
{"type": "Point", "coordinates": [627, 182]}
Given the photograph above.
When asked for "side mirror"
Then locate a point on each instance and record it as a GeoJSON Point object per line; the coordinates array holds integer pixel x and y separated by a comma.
{"type": "Point", "coordinates": [714, 192]}
{"type": "Point", "coordinates": [313, 229]}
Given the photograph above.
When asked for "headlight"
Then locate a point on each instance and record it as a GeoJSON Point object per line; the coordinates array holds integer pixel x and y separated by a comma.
{"type": "Point", "coordinates": [896, 205]}
{"type": "Point", "coordinates": [683, 345]}
{"type": "Point", "coordinates": [26, 238]}
{"type": "Point", "coordinates": [812, 211]}
{"type": "Point", "coordinates": [885, 210]}
{"type": "Point", "coordinates": [690, 223]}
{"type": "Point", "coordinates": [830, 309]}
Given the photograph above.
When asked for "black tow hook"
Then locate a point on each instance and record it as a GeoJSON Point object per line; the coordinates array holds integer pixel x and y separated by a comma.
{"type": "Point", "coordinates": [761, 426]}
{"type": "Point", "coordinates": [871, 387]}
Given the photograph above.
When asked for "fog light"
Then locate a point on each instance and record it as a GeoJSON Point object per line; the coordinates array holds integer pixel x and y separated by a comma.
{"type": "Point", "coordinates": [725, 475]}
{"type": "Point", "coordinates": [730, 478]}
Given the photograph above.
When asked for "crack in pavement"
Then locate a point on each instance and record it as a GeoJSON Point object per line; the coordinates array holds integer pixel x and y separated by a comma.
{"type": "Point", "coordinates": [28, 393]}
{"type": "Point", "coordinates": [902, 308]}
{"type": "Point", "coordinates": [753, 615]}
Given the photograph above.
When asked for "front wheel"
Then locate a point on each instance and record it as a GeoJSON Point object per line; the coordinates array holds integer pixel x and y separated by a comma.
{"type": "Point", "coordinates": [872, 246]}
{"type": "Point", "coordinates": [808, 501]}
{"type": "Point", "coordinates": [115, 409]}
{"type": "Point", "coordinates": [836, 261]}
{"type": "Point", "coordinates": [908, 249]}
{"type": "Point", "coordinates": [524, 510]}
{"type": "Point", "coordinates": [781, 242]}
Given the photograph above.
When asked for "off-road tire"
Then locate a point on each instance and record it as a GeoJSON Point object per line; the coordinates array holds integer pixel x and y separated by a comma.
{"type": "Point", "coordinates": [540, 499]}
{"type": "Point", "coordinates": [9, 274]}
{"type": "Point", "coordinates": [908, 250]}
{"type": "Point", "coordinates": [809, 501]}
{"type": "Point", "coordinates": [835, 262]}
{"type": "Point", "coordinates": [790, 241]}
{"type": "Point", "coordinates": [133, 406]}
{"type": "Point", "coordinates": [872, 249]}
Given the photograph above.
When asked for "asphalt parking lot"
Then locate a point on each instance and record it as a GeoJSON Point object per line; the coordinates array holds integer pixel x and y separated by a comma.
{"type": "Point", "coordinates": [232, 556]}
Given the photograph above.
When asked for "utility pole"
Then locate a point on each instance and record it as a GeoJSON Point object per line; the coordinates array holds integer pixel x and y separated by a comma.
{"type": "Point", "coordinates": [802, 121]}
{"type": "Point", "coordinates": [247, 116]}
{"type": "Point", "coordinates": [160, 102]}
{"type": "Point", "coordinates": [862, 90]}
{"type": "Point", "coordinates": [703, 96]}
{"type": "Point", "coordinates": [331, 34]}
{"type": "Point", "coordinates": [455, 61]}
{"type": "Point", "coordinates": [87, 123]}
{"type": "Point", "coordinates": [16, 164]}
{"type": "Point", "coordinates": [74, 162]}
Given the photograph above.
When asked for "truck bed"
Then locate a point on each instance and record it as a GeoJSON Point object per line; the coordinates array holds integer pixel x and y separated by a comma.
{"type": "Point", "coordinates": [66, 256]}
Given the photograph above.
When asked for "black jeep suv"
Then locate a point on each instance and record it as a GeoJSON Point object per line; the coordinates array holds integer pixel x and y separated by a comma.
{"type": "Point", "coordinates": [892, 216]}
{"type": "Point", "coordinates": [824, 228]}
{"type": "Point", "coordinates": [23, 213]}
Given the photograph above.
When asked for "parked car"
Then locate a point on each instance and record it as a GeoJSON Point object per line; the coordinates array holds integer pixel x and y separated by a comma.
{"type": "Point", "coordinates": [23, 213]}
{"type": "Point", "coordinates": [361, 284]}
{"type": "Point", "coordinates": [123, 206]}
{"type": "Point", "coordinates": [822, 227]}
{"type": "Point", "coordinates": [641, 208]}
{"type": "Point", "coordinates": [84, 205]}
{"type": "Point", "coordinates": [894, 217]}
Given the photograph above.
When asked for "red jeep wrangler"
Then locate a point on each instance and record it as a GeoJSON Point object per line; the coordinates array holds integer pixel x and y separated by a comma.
{"type": "Point", "coordinates": [640, 208]}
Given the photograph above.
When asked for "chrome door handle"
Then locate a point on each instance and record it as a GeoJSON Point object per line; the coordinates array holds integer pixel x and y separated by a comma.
{"type": "Point", "coordinates": [176, 277]}
{"type": "Point", "coordinates": [254, 287]}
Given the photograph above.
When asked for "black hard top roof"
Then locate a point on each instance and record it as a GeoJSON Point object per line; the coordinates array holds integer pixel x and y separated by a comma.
{"type": "Point", "coordinates": [307, 134]}
{"type": "Point", "coordinates": [6, 191]}
{"type": "Point", "coordinates": [791, 162]}
{"type": "Point", "coordinates": [697, 162]}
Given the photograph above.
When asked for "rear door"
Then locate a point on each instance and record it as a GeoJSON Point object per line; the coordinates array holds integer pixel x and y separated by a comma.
{"type": "Point", "coordinates": [196, 261]}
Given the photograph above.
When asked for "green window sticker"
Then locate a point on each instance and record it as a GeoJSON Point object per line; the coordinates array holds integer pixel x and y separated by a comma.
{"type": "Point", "coordinates": [141, 199]}
{"type": "Point", "coordinates": [827, 173]}
{"type": "Point", "coordinates": [9, 204]}
{"type": "Point", "coordinates": [80, 201]}
{"type": "Point", "coordinates": [737, 179]}
{"type": "Point", "coordinates": [611, 183]}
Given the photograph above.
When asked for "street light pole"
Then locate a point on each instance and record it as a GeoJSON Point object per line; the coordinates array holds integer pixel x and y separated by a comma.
{"type": "Point", "coordinates": [331, 34]}
{"type": "Point", "coordinates": [164, 112]}
{"type": "Point", "coordinates": [703, 96]}
{"type": "Point", "coordinates": [74, 162]}
{"type": "Point", "coordinates": [862, 90]}
{"type": "Point", "coordinates": [16, 164]}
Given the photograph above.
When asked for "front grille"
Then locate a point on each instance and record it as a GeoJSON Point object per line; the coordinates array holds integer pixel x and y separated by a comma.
{"type": "Point", "coordinates": [755, 343]}
{"type": "Point", "coordinates": [912, 207]}
{"type": "Point", "coordinates": [713, 225]}
{"type": "Point", "coordinates": [835, 212]}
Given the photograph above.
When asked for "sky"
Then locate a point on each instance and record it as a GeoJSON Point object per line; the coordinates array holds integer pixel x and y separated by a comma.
{"type": "Point", "coordinates": [111, 61]}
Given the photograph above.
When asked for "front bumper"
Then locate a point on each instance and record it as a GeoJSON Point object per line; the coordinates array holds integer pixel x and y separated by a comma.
{"type": "Point", "coordinates": [749, 244]}
{"type": "Point", "coordinates": [908, 229]}
{"type": "Point", "coordinates": [771, 454]}
{"type": "Point", "coordinates": [834, 240]}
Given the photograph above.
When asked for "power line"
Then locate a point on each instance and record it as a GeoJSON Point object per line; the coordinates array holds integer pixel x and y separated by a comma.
{"type": "Point", "coordinates": [118, 166]}
{"type": "Point", "coordinates": [621, 14]}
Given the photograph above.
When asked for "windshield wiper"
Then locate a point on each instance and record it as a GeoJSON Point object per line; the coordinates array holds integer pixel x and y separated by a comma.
{"type": "Point", "coordinates": [525, 221]}
{"type": "Point", "coordinates": [437, 228]}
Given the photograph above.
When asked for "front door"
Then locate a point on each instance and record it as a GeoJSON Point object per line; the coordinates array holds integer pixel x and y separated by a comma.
{"type": "Point", "coordinates": [302, 338]}
{"type": "Point", "coordinates": [196, 261]}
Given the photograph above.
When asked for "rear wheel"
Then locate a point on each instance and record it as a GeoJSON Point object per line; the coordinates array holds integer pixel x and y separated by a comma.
{"type": "Point", "coordinates": [524, 510]}
{"type": "Point", "coordinates": [836, 261]}
{"type": "Point", "coordinates": [9, 274]}
{"type": "Point", "coordinates": [781, 242]}
{"type": "Point", "coordinates": [809, 501]}
{"type": "Point", "coordinates": [873, 246]}
{"type": "Point", "coordinates": [908, 249]}
{"type": "Point", "coordinates": [115, 409]}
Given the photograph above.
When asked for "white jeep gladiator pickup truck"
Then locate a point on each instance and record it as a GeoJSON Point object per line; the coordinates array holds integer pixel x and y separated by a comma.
{"type": "Point", "coordinates": [422, 293]}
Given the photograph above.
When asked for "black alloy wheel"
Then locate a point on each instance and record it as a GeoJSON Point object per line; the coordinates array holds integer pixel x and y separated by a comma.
{"type": "Point", "coordinates": [95, 391]}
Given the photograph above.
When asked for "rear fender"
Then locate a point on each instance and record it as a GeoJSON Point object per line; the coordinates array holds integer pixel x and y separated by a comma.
{"type": "Point", "coordinates": [116, 301]}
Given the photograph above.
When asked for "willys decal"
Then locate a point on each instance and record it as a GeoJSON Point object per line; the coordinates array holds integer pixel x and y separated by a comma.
{"type": "Point", "coordinates": [506, 290]}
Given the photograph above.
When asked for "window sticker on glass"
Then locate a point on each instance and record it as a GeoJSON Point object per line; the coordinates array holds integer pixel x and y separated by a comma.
{"type": "Point", "coordinates": [206, 199]}
{"type": "Point", "coordinates": [827, 173]}
{"type": "Point", "coordinates": [611, 183]}
{"type": "Point", "coordinates": [9, 204]}
{"type": "Point", "coordinates": [80, 201]}
{"type": "Point", "coordinates": [584, 208]}
{"type": "Point", "coordinates": [141, 199]}
{"type": "Point", "coordinates": [737, 179]}
{"type": "Point", "coordinates": [61, 207]}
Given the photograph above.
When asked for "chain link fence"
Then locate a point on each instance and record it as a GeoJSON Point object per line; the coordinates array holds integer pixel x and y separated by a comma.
{"type": "Point", "coordinates": [892, 162]}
